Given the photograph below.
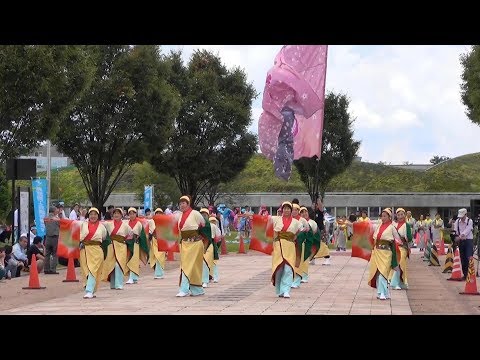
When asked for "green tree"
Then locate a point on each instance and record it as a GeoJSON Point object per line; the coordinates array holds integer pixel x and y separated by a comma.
{"type": "Point", "coordinates": [165, 189]}
{"type": "Point", "coordinates": [211, 143]}
{"type": "Point", "coordinates": [438, 159]}
{"type": "Point", "coordinates": [5, 197]}
{"type": "Point", "coordinates": [39, 85]}
{"type": "Point", "coordinates": [470, 87]}
{"type": "Point", "coordinates": [127, 111]}
{"type": "Point", "coordinates": [338, 147]}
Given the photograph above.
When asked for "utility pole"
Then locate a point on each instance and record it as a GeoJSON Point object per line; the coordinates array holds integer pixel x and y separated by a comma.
{"type": "Point", "coordinates": [49, 175]}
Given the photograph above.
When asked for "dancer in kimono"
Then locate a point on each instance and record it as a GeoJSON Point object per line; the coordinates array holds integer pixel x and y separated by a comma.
{"type": "Point", "coordinates": [115, 265]}
{"type": "Point", "coordinates": [285, 229]}
{"type": "Point", "coordinates": [301, 269]}
{"type": "Point", "coordinates": [399, 279]}
{"type": "Point", "coordinates": [383, 258]}
{"type": "Point", "coordinates": [192, 249]}
{"type": "Point", "coordinates": [421, 233]}
{"type": "Point", "coordinates": [156, 258]}
{"type": "Point", "coordinates": [137, 246]}
{"type": "Point", "coordinates": [341, 233]}
{"type": "Point", "coordinates": [92, 233]}
{"type": "Point", "coordinates": [437, 226]}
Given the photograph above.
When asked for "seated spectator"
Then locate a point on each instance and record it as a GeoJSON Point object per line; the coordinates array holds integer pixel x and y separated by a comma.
{"type": "Point", "coordinates": [5, 233]}
{"type": "Point", "coordinates": [20, 253]}
{"type": "Point", "coordinates": [33, 233]}
{"type": "Point", "coordinates": [36, 249]}
{"type": "Point", "coordinates": [11, 265]}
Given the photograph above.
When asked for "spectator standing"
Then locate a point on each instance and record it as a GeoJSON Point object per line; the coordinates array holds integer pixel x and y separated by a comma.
{"type": "Point", "coordinates": [74, 214]}
{"type": "Point", "coordinates": [109, 214]}
{"type": "Point", "coordinates": [52, 227]}
{"type": "Point", "coordinates": [464, 230]}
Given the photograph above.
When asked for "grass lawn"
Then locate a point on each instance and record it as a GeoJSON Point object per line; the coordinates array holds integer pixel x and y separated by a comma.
{"type": "Point", "coordinates": [233, 247]}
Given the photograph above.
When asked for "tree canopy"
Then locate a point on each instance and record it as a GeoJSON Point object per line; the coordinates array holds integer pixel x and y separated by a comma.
{"type": "Point", "coordinates": [438, 159]}
{"type": "Point", "coordinates": [126, 112]}
{"type": "Point", "coordinates": [210, 143]}
{"type": "Point", "coordinates": [470, 87]}
{"type": "Point", "coordinates": [338, 147]}
{"type": "Point", "coordinates": [39, 85]}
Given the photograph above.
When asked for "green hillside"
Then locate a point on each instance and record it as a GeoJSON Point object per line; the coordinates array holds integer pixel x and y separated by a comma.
{"type": "Point", "coordinates": [461, 174]}
{"type": "Point", "coordinates": [365, 177]}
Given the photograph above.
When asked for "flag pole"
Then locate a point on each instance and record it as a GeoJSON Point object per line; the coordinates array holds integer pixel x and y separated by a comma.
{"type": "Point", "coordinates": [317, 167]}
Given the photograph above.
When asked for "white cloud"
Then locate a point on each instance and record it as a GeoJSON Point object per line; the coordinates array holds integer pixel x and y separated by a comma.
{"type": "Point", "coordinates": [404, 119]}
{"type": "Point", "coordinates": [408, 92]}
{"type": "Point", "coordinates": [366, 118]}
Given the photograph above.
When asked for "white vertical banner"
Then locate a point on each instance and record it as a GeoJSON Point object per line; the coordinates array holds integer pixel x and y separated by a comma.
{"type": "Point", "coordinates": [24, 210]}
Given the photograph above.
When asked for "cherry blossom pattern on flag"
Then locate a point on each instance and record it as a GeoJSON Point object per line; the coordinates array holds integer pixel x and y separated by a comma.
{"type": "Point", "coordinates": [293, 103]}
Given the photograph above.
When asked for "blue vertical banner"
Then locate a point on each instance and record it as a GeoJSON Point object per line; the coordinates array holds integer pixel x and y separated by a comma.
{"type": "Point", "coordinates": [39, 190]}
{"type": "Point", "coordinates": [148, 197]}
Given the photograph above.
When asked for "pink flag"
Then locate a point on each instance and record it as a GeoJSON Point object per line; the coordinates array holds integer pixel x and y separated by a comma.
{"type": "Point", "coordinates": [291, 124]}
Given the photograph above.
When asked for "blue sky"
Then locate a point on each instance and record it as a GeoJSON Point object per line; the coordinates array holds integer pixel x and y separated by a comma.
{"type": "Point", "coordinates": [406, 99]}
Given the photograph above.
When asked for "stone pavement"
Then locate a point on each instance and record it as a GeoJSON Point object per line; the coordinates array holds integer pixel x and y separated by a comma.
{"type": "Point", "coordinates": [431, 294]}
{"type": "Point", "coordinates": [244, 288]}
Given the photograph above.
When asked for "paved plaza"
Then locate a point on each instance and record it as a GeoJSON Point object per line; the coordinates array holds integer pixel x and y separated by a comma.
{"type": "Point", "coordinates": [245, 288]}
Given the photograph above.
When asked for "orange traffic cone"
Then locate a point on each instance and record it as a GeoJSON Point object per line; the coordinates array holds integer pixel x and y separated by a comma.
{"type": "Point", "coordinates": [241, 247]}
{"type": "Point", "coordinates": [441, 247]}
{"type": "Point", "coordinates": [34, 282]}
{"type": "Point", "coordinates": [457, 269]}
{"type": "Point", "coordinates": [71, 277]}
{"type": "Point", "coordinates": [223, 246]}
{"type": "Point", "coordinates": [170, 256]}
{"type": "Point", "coordinates": [471, 280]}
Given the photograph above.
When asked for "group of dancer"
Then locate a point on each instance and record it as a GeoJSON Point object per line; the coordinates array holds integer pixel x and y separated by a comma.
{"type": "Point", "coordinates": [299, 237]}
{"type": "Point", "coordinates": [297, 241]}
{"type": "Point", "coordinates": [133, 241]}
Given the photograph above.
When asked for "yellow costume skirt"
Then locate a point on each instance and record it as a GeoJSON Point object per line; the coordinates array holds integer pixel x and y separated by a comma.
{"type": "Point", "coordinates": [91, 261]}
{"type": "Point", "coordinates": [191, 261]}
{"type": "Point", "coordinates": [156, 255]}
{"type": "Point", "coordinates": [381, 260]}
{"type": "Point", "coordinates": [283, 252]}
{"type": "Point", "coordinates": [117, 252]}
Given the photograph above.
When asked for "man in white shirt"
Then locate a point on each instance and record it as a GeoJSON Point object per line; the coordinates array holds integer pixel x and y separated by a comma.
{"type": "Point", "coordinates": [168, 210]}
{"type": "Point", "coordinates": [15, 226]}
{"type": "Point", "coordinates": [19, 252]}
{"type": "Point", "coordinates": [464, 228]}
{"type": "Point", "coordinates": [74, 213]}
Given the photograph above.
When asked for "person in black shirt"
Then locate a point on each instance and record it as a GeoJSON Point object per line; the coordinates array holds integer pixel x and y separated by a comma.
{"type": "Point", "coordinates": [318, 216]}
{"type": "Point", "coordinates": [109, 214]}
{"type": "Point", "coordinates": [36, 249]}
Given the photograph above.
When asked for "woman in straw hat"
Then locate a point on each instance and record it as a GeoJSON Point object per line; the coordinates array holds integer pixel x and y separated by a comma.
{"type": "Point", "coordinates": [157, 258]}
{"type": "Point", "coordinates": [285, 229]}
{"type": "Point", "coordinates": [92, 233]}
{"type": "Point", "coordinates": [137, 246]}
{"type": "Point", "coordinates": [399, 278]}
{"type": "Point", "coordinates": [383, 257]}
{"type": "Point", "coordinates": [115, 265]}
{"type": "Point", "coordinates": [192, 248]}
